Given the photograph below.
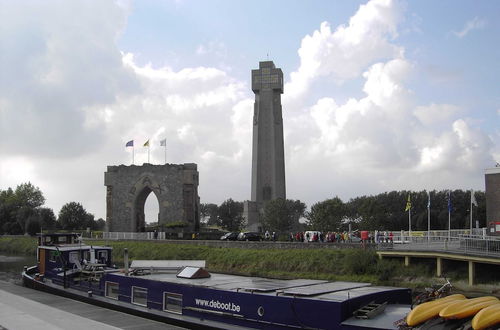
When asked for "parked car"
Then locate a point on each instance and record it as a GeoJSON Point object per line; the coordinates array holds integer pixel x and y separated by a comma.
{"type": "Point", "coordinates": [249, 236]}
{"type": "Point", "coordinates": [231, 236]}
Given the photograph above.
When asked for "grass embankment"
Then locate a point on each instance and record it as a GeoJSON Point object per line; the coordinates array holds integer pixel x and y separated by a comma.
{"type": "Point", "coordinates": [24, 245]}
{"type": "Point", "coordinates": [343, 264]}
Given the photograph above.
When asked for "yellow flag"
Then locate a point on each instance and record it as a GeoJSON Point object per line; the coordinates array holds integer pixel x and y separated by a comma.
{"type": "Point", "coordinates": [408, 204]}
{"type": "Point", "coordinates": [146, 144]}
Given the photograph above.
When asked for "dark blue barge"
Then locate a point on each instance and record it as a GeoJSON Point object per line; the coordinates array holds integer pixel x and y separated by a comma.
{"type": "Point", "coordinates": [190, 296]}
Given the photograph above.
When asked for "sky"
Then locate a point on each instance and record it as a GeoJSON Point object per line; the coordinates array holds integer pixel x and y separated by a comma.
{"type": "Point", "coordinates": [379, 96]}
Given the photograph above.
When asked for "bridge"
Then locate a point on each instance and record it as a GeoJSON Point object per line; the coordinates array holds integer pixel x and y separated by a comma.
{"type": "Point", "coordinates": [444, 245]}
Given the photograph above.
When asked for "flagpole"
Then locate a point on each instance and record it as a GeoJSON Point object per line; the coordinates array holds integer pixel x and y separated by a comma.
{"type": "Point", "coordinates": [449, 215]}
{"type": "Point", "coordinates": [148, 153]}
{"type": "Point", "coordinates": [471, 192]}
{"type": "Point", "coordinates": [165, 152]}
{"type": "Point", "coordinates": [133, 160]}
{"type": "Point", "coordinates": [428, 217]}
{"type": "Point", "coordinates": [409, 224]}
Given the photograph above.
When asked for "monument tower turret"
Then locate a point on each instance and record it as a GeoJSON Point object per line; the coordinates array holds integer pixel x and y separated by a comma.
{"type": "Point", "coordinates": [268, 156]}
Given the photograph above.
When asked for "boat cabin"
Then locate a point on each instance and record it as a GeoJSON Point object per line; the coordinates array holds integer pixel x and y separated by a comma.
{"type": "Point", "coordinates": [66, 254]}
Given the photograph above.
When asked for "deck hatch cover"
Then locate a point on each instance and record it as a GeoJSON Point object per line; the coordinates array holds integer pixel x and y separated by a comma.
{"type": "Point", "coordinates": [313, 290]}
{"type": "Point", "coordinates": [263, 285]}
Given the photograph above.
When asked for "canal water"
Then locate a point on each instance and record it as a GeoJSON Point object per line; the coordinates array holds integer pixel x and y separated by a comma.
{"type": "Point", "coordinates": [11, 266]}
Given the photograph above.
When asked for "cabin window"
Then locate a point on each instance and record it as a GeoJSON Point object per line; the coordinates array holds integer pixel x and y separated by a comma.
{"type": "Point", "coordinates": [172, 302]}
{"type": "Point", "coordinates": [74, 257]}
{"type": "Point", "coordinates": [53, 256]}
{"type": "Point", "coordinates": [102, 256]}
{"type": "Point", "coordinates": [139, 296]}
{"type": "Point", "coordinates": [86, 255]}
{"type": "Point", "coordinates": [112, 290]}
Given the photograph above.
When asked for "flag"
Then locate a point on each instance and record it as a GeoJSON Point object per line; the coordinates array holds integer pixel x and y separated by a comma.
{"type": "Point", "coordinates": [449, 201]}
{"type": "Point", "coordinates": [130, 143]}
{"type": "Point", "coordinates": [163, 143]}
{"type": "Point", "coordinates": [408, 204]}
{"type": "Point", "coordinates": [473, 198]}
{"type": "Point", "coordinates": [428, 200]}
{"type": "Point", "coordinates": [146, 144]}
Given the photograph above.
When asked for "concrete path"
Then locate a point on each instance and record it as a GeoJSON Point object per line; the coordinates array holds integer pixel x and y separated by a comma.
{"type": "Point", "coordinates": [23, 308]}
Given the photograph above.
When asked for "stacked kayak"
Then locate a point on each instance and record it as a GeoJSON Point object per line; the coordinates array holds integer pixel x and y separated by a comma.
{"type": "Point", "coordinates": [487, 317]}
{"type": "Point", "coordinates": [484, 311]}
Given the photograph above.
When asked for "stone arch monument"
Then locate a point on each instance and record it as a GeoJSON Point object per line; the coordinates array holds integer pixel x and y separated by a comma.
{"type": "Point", "coordinates": [128, 187]}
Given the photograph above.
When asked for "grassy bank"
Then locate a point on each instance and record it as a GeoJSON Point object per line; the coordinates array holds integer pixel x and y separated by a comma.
{"type": "Point", "coordinates": [342, 264]}
{"type": "Point", "coordinates": [327, 264]}
{"type": "Point", "coordinates": [23, 245]}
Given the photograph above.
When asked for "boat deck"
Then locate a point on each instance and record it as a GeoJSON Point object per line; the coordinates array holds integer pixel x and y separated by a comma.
{"type": "Point", "coordinates": [338, 291]}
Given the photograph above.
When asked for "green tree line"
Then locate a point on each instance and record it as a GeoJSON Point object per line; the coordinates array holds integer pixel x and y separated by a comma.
{"type": "Point", "coordinates": [22, 211]}
{"type": "Point", "coordinates": [385, 211]}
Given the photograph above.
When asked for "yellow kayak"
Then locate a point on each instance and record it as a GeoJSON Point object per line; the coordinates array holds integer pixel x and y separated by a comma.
{"type": "Point", "coordinates": [487, 317]}
{"type": "Point", "coordinates": [430, 309]}
{"type": "Point", "coordinates": [466, 308]}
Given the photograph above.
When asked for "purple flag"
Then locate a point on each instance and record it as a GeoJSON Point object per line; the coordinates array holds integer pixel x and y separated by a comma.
{"type": "Point", "coordinates": [130, 143]}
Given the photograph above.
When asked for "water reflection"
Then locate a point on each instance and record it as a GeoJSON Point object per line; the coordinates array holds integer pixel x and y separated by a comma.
{"type": "Point", "coordinates": [11, 266]}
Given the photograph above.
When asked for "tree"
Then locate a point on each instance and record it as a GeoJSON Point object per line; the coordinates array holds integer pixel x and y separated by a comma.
{"type": "Point", "coordinates": [100, 224]}
{"type": "Point", "coordinates": [47, 218]}
{"type": "Point", "coordinates": [327, 215]}
{"type": "Point", "coordinates": [230, 215]}
{"type": "Point", "coordinates": [73, 216]}
{"type": "Point", "coordinates": [17, 206]}
{"type": "Point", "coordinates": [33, 225]}
{"type": "Point", "coordinates": [7, 209]}
{"type": "Point", "coordinates": [28, 195]}
{"type": "Point", "coordinates": [209, 214]}
{"type": "Point", "coordinates": [282, 215]}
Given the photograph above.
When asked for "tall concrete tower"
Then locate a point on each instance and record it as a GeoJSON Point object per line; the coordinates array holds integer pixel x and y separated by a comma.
{"type": "Point", "coordinates": [268, 157]}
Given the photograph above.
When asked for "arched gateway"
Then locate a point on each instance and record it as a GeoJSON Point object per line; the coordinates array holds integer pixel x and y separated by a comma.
{"type": "Point", "coordinates": [128, 187]}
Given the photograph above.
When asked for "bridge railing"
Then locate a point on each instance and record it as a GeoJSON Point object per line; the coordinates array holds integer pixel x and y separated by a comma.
{"type": "Point", "coordinates": [478, 245]}
{"type": "Point", "coordinates": [114, 235]}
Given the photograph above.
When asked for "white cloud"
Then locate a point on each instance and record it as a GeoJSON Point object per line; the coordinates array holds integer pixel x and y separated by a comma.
{"type": "Point", "coordinates": [436, 113]}
{"type": "Point", "coordinates": [57, 63]}
{"type": "Point", "coordinates": [347, 51]}
{"type": "Point", "coordinates": [474, 24]}
{"type": "Point", "coordinates": [216, 48]}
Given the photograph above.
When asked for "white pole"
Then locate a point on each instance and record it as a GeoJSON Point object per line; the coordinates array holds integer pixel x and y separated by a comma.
{"type": "Point", "coordinates": [428, 218]}
{"type": "Point", "coordinates": [449, 224]}
{"type": "Point", "coordinates": [165, 153]}
{"type": "Point", "coordinates": [409, 224]}
{"type": "Point", "coordinates": [471, 192]}
{"type": "Point", "coordinates": [133, 161]}
{"type": "Point", "coordinates": [449, 215]}
{"type": "Point", "coordinates": [148, 153]}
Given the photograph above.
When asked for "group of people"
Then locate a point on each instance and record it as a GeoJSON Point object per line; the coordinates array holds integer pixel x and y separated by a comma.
{"type": "Point", "coordinates": [342, 237]}
{"type": "Point", "coordinates": [268, 236]}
